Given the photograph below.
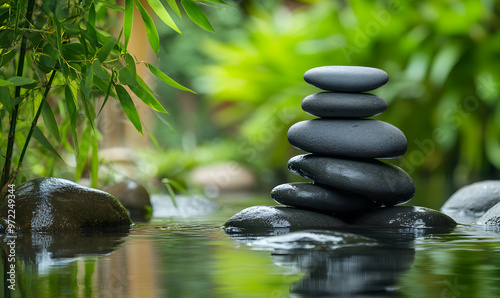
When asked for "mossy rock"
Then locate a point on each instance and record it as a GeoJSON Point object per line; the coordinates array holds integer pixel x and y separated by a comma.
{"type": "Point", "coordinates": [52, 204]}
{"type": "Point", "coordinates": [134, 197]}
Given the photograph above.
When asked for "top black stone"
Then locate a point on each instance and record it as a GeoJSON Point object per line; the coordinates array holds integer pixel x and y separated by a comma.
{"type": "Point", "coordinates": [346, 78]}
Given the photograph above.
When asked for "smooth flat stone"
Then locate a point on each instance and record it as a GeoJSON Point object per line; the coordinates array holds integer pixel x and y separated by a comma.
{"type": "Point", "coordinates": [406, 217]}
{"type": "Point", "coordinates": [321, 199]}
{"type": "Point", "coordinates": [372, 178]}
{"type": "Point", "coordinates": [363, 138]}
{"type": "Point", "coordinates": [473, 199]}
{"type": "Point", "coordinates": [263, 219]}
{"type": "Point", "coordinates": [343, 105]}
{"type": "Point", "coordinates": [346, 78]}
{"type": "Point", "coordinates": [491, 217]}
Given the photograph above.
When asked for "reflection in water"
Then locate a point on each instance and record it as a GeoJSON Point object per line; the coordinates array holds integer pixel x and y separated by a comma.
{"type": "Point", "coordinates": [340, 263]}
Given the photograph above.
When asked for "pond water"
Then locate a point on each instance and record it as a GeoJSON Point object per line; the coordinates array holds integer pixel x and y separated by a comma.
{"type": "Point", "coordinates": [186, 254]}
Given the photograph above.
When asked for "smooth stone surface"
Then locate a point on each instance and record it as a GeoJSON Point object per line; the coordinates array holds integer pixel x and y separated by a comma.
{"type": "Point", "coordinates": [343, 105]}
{"type": "Point", "coordinates": [132, 195]}
{"type": "Point", "coordinates": [52, 204]}
{"type": "Point", "coordinates": [346, 78]}
{"type": "Point", "coordinates": [321, 199]}
{"type": "Point", "coordinates": [473, 199]}
{"type": "Point", "coordinates": [362, 138]}
{"type": "Point", "coordinates": [262, 219]}
{"type": "Point", "coordinates": [491, 217]}
{"type": "Point", "coordinates": [406, 217]}
{"type": "Point", "coordinates": [372, 178]}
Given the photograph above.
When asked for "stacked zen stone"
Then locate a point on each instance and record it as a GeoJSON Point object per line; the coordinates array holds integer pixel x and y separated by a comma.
{"type": "Point", "coordinates": [348, 179]}
{"type": "Point", "coordinates": [351, 187]}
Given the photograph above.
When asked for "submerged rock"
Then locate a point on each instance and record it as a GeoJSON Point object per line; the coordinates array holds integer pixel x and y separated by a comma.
{"type": "Point", "coordinates": [52, 204]}
{"type": "Point", "coordinates": [262, 219]}
{"type": "Point", "coordinates": [473, 199]}
{"type": "Point", "coordinates": [491, 217]}
{"type": "Point", "coordinates": [406, 217]}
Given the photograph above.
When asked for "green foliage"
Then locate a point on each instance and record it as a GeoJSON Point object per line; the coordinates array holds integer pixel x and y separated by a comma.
{"type": "Point", "coordinates": [71, 42]}
{"type": "Point", "coordinates": [443, 88]}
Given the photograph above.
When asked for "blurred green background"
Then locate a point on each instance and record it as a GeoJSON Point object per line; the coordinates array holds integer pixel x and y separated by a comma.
{"type": "Point", "coordinates": [442, 58]}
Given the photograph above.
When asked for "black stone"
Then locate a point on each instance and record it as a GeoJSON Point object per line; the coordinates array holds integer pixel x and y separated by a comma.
{"type": "Point", "coordinates": [474, 199]}
{"type": "Point", "coordinates": [321, 199]}
{"type": "Point", "coordinates": [491, 217]}
{"type": "Point", "coordinates": [343, 105]}
{"type": "Point", "coordinates": [346, 78]}
{"type": "Point", "coordinates": [406, 217]}
{"type": "Point", "coordinates": [382, 182]}
{"type": "Point", "coordinates": [51, 204]}
{"type": "Point", "coordinates": [263, 219]}
{"type": "Point", "coordinates": [363, 138]}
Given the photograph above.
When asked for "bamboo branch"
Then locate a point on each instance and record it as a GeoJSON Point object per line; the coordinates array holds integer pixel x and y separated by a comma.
{"type": "Point", "coordinates": [15, 111]}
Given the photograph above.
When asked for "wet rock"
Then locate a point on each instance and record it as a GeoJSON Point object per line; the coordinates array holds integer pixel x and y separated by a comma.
{"type": "Point", "coordinates": [321, 199]}
{"type": "Point", "coordinates": [384, 183]}
{"type": "Point", "coordinates": [132, 195]}
{"type": "Point", "coordinates": [474, 199]}
{"type": "Point", "coordinates": [263, 219]}
{"type": "Point", "coordinates": [346, 78]}
{"type": "Point", "coordinates": [406, 217]}
{"type": "Point", "coordinates": [362, 138]}
{"type": "Point", "coordinates": [343, 105]}
{"type": "Point", "coordinates": [52, 204]}
{"type": "Point", "coordinates": [491, 217]}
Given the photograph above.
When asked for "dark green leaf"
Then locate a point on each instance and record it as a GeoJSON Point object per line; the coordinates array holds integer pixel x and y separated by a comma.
{"type": "Point", "coordinates": [166, 79]}
{"type": "Point", "coordinates": [71, 106]}
{"type": "Point", "coordinates": [87, 108]}
{"type": "Point", "coordinates": [175, 7]}
{"type": "Point", "coordinates": [99, 70]}
{"type": "Point", "coordinates": [163, 14]}
{"type": "Point", "coordinates": [104, 51]}
{"type": "Point", "coordinates": [126, 77]}
{"type": "Point", "coordinates": [108, 93]}
{"type": "Point", "coordinates": [128, 20]}
{"type": "Point", "coordinates": [147, 98]}
{"type": "Point", "coordinates": [131, 64]}
{"type": "Point", "coordinates": [196, 14]}
{"type": "Point", "coordinates": [111, 5]}
{"type": "Point", "coordinates": [21, 81]}
{"type": "Point", "coordinates": [50, 122]}
{"type": "Point", "coordinates": [104, 86]}
{"type": "Point", "coordinates": [128, 107]}
{"type": "Point", "coordinates": [92, 33]}
{"type": "Point", "coordinates": [38, 135]}
{"type": "Point", "coordinates": [5, 98]}
{"type": "Point", "coordinates": [151, 32]}
{"type": "Point", "coordinates": [87, 80]}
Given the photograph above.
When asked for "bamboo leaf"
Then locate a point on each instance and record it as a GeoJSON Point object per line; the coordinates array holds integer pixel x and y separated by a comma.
{"type": "Point", "coordinates": [38, 135]}
{"type": "Point", "coordinates": [128, 20]}
{"type": "Point", "coordinates": [163, 14]}
{"type": "Point", "coordinates": [174, 6]}
{"type": "Point", "coordinates": [144, 85]}
{"type": "Point", "coordinates": [50, 122]}
{"type": "Point", "coordinates": [71, 107]}
{"type": "Point", "coordinates": [126, 77]}
{"type": "Point", "coordinates": [83, 152]}
{"type": "Point", "coordinates": [197, 15]}
{"type": "Point", "coordinates": [166, 79]}
{"type": "Point", "coordinates": [5, 83]}
{"type": "Point", "coordinates": [111, 5]}
{"type": "Point", "coordinates": [94, 165]}
{"type": "Point", "coordinates": [87, 109]}
{"type": "Point", "coordinates": [20, 81]}
{"type": "Point", "coordinates": [130, 62]}
{"type": "Point", "coordinates": [5, 98]}
{"type": "Point", "coordinates": [148, 98]}
{"type": "Point", "coordinates": [215, 1]}
{"type": "Point", "coordinates": [104, 51]}
{"type": "Point", "coordinates": [128, 107]}
{"type": "Point", "coordinates": [99, 70]}
{"type": "Point", "coordinates": [151, 32]}
{"type": "Point", "coordinates": [87, 79]}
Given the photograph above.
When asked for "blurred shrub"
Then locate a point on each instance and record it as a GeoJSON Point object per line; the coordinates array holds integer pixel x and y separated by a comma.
{"type": "Point", "coordinates": [442, 59]}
